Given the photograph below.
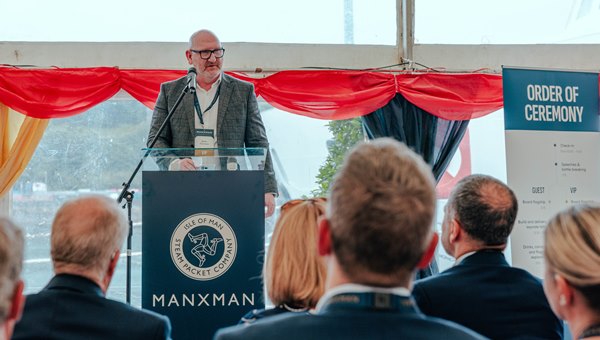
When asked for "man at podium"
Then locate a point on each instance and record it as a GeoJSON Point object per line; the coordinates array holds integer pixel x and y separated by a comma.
{"type": "Point", "coordinates": [222, 111]}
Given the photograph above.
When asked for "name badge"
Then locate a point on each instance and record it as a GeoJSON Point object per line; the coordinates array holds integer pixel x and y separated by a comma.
{"type": "Point", "coordinates": [204, 139]}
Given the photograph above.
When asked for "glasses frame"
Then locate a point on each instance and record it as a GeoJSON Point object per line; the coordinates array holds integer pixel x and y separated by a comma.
{"type": "Point", "coordinates": [210, 53]}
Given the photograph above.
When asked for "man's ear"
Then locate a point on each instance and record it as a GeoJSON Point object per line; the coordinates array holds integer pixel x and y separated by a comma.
{"type": "Point", "coordinates": [110, 271]}
{"type": "Point", "coordinates": [17, 302]}
{"type": "Point", "coordinates": [114, 260]}
{"type": "Point", "coordinates": [324, 237]}
{"type": "Point", "coordinates": [455, 230]}
{"type": "Point", "coordinates": [429, 252]}
{"type": "Point", "coordinates": [188, 56]}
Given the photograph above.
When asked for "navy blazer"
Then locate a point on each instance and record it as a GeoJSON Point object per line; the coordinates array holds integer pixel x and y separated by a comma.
{"type": "Point", "coordinates": [486, 294]}
{"type": "Point", "coordinates": [259, 314]}
{"type": "Point", "coordinates": [350, 322]}
{"type": "Point", "coordinates": [73, 307]}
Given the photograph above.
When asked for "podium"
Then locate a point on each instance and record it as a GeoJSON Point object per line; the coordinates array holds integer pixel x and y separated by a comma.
{"type": "Point", "coordinates": [202, 237]}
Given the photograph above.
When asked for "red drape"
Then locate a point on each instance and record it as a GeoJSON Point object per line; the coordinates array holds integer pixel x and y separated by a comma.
{"type": "Point", "coordinates": [453, 96]}
{"type": "Point", "coordinates": [326, 94]}
{"type": "Point", "coordinates": [144, 85]}
{"type": "Point", "coordinates": [56, 93]}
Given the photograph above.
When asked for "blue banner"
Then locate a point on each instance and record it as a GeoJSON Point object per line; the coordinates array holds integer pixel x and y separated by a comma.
{"type": "Point", "coordinates": [202, 244]}
{"type": "Point", "coordinates": [550, 100]}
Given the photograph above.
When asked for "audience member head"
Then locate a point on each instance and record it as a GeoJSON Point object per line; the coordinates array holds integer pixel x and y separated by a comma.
{"type": "Point", "coordinates": [11, 286]}
{"type": "Point", "coordinates": [480, 214]}
{"type": "Point", "coordinates": [380, 216]}
{"type": "Point", "coordinates": [572, 278]}
{"type": "Point", "coordinates": [294, 273]}
{"type": "Point", "coordinates": [87, 234]}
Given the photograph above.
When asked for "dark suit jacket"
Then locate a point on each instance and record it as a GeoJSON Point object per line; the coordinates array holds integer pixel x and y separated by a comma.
{"type": "Point", "coordinates": [73, 307]}
{"type": "Point", "coordinates": [487, 295]}
{"type": "Point", "coordinates": [349, 322]}
{"type": "Point", "coordinates": [259, 314]}
{"type": "Point", "coordinates": [239, 123]}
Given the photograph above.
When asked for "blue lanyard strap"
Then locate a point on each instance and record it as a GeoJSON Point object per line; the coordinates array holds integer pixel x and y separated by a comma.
{"type": "Point", "coordinates": [371, 300]}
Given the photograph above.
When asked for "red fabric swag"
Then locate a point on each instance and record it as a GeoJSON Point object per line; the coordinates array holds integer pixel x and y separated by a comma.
{"type": "Point", "coordinates": [326, 94]}
{"type": "Point", "coordinates": [144, 85]}
{"type": "Point", "coordinates": [453, 96]}
{"type": "Point", "coordinates": [57, 93]}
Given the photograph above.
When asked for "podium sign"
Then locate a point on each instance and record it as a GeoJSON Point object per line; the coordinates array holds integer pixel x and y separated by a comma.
{"type": "Point", "coordinates": [203, 233]}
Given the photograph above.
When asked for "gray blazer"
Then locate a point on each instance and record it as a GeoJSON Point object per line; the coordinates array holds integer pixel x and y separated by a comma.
{"type": "Point", "coordinates": [238, 120]}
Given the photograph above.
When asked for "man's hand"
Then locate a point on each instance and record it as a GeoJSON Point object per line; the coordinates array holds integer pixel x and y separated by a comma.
{"type": "Point", "coordinates": [187, 164]}
{"type": "Point", "coordinates": [269, 204]}
{"type": "Point", "coordinates": [182, 164]}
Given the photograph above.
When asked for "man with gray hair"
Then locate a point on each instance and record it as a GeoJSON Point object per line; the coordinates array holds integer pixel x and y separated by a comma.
{"type": "Point", "coordinates": [222, 113]}
{"type": "Point", "coordinates": [87, 234]}
{"type": "Point", "coordinates": [482, 291]}
{"type": "Point", "coordinates": [378, 231]}
{"type": "Point", "coordinates": [11, 285]}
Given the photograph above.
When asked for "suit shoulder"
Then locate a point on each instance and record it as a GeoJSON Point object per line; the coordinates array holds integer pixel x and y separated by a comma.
{"type": "Point", "coordinates": [246, 85]}
{"type": "Point", "coordinates": [147, 322]}
{"type": "Point", "coordinates": [336, 327]}
{"type": "Point", "coordinates": [451, 330]}
{"type": "Point", "coordinates": [267, 328]}
{"type": "Point", "coordinates": [525, 275]}
{"type": "Point", "coordinates": [136, 313]}
{"type": "Point", "coordinates": [179, 82]}
{"type": "Point", "coordinates": [438, 279]}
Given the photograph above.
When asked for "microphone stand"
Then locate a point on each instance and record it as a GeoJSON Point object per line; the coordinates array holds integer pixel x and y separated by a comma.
{"type": "Point", "coordinates": [127, 194]}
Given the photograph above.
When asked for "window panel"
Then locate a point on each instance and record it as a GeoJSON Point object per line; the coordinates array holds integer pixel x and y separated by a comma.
{"type": "Point", "coordinates": [274, 21]}
{"type": "Point", "coordinates": [94, 152]}
{"type": "Point", "coordinates": [506, 22]}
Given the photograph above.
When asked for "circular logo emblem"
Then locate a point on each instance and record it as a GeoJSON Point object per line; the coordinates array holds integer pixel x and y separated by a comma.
{"type": "Point", "coordinates": [203, 246]}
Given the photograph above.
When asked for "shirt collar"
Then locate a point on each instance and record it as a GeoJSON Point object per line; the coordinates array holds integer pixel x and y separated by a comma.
{"type": "Point", "coordinates": [463, 257]}
{"type": "Point", "coordinates": [357, 288]}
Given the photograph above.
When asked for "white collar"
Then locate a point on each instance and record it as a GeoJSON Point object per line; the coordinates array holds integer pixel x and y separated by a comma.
{"type": "Point", "coordinates": [463, 257]}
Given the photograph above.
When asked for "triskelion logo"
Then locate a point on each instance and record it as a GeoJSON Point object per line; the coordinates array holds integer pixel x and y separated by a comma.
{"type": "Point", "coordinates": [203, 246]}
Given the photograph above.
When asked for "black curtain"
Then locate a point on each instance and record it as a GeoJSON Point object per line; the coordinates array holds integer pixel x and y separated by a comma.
{"type": "Point", "coordinates": [434, 138]}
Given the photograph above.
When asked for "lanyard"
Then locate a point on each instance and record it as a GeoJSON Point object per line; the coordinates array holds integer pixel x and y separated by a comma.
{"type": "Point", "coordinates": [212, 103]}
{"type": "Point", "coordinates": [379, 301]}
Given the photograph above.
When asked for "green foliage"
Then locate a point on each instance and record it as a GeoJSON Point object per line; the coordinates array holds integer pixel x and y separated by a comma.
{"type": "Point", "coordinates": [345, 133]}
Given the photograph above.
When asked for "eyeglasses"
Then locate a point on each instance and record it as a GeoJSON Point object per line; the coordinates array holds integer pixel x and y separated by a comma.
{"type": "Point", "coordinates": [205, 54]}
{"type": "Point", "coordinates": [297, 201]}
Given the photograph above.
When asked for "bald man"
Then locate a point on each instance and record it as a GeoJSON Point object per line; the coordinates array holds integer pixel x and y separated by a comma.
{"type": "Point", "coordinates": [228, 117]}
{"type": "Point", "coordinates": [482, 291]}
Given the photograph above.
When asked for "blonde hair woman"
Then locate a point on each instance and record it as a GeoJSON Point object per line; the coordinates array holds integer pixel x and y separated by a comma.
{"type": "Point", "coordinates": [572, 282]}
{"type": "Point", "coordinates": [294, 274]}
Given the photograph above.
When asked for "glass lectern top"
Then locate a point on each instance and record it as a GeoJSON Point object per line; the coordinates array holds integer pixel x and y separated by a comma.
{"type": "Point", "coordinates": [230, 159]}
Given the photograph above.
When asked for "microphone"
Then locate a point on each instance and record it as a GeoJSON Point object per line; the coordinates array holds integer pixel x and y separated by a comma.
{"type": "Point", "coordinates": [192, 87]}
{"type": "Point", "coordinates": [192, 79]}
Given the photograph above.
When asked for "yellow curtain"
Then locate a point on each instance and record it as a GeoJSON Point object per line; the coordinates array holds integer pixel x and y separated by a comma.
{"type": "Point", "coordinates": [19, 137]}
